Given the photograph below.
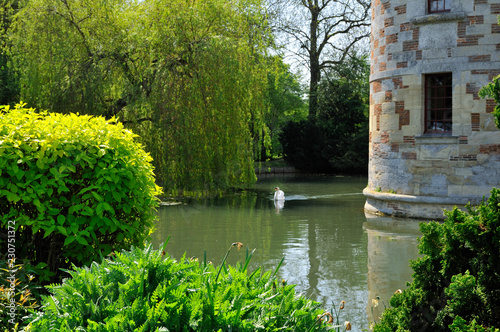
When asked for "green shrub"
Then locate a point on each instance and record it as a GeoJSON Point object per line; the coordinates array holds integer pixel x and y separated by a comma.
{"type": "Point", "coordinates": [146, 290]}
{"type": "Point", "coordinates": [73, 187]}
{"type": "Point", "coordinates": [456, 284]}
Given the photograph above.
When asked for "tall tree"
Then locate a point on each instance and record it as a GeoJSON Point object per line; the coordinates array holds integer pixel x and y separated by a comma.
{"type": "Point", "coordinates": [185, 75]}
{"type": "Point", "coordinates": [9, 85]}
{"type": "Point", "coordinates": [321, 33]}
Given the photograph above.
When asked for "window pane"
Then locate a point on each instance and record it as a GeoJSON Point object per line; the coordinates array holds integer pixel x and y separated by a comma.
{"type": "Point", "coordinates": [433, 6]}
{"type": "Point", "coordinates": [438, 104]}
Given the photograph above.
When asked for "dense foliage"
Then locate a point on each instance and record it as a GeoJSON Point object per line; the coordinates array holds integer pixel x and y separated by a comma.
{"type": "Point", "coordinates": [71, 188]}
{"type": "Point", "coordinates": [336, 140]}
{"type": "Point", "coordinates": [286, 103]}
{"type": "Point", "coordinates": [146, 290]}
{"type": "Point", "coordinates": [9, 84]}
{"type": "Point", "coordinates": [456, 284]}
{"type": "Point", "coordinates": [189, 77]}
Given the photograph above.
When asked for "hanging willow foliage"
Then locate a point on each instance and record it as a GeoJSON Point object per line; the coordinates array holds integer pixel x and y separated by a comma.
{"type": "Point", "coordinates": [188, 76]}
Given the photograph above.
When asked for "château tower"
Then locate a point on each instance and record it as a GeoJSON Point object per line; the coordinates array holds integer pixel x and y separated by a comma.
{"type": "Point", "coordinates": [433, 140]}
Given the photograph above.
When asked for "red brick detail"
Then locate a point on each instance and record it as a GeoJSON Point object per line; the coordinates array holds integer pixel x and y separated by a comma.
{"type": "Point", "coordinates": [463, 140]}
{"type": "Point", "coordinates": [490, 105]}
{"type": "Point", "coordinates": [391, 39]}
{"type": "Point", "coordinates": [382, 50]}
{"type": "Point", "coordinates": [377, 110]}
{"type": "Point", "coordinates": [381, 33]}
{"type": "Point", "coordinates": [400, 9]}
{"type": "Point", "coordinates": [388, 95]}
{"type": "Point", "coordinates": [405, 27]}
{"type": "Point", "coordinates": [492, 74]}
{"type": "Point", "coordinates": [409, 140]}
{"type": "Point", "coordinates": [480, 58]}
{"type": "Point", "coordinates": [410, 45]}
{"type": "Point", "coordinates": [389, 22]}
{"type": "Point", "coordinates": [473, 20]}
{"type": "Point", "coordinates": [384, 137]}
{"type": "Point", "coordinates": [495, 8]}
{"type": "Point", "coordinates": [464, 157]}
{"type": "Point", "coordinates": [464, 39]}
{"type": "Point", "coordinates": [489, 148]}
{"type": "Point", "coordinates": [495, 28]}
{"type": "Point", "coordinates": [480, 2]}
{"type": "Point", "coordinates": [398, 83]}
{"type": "Point", "coordinates": [385, 6]}
{"type": "Point", "coordinates": [375, 43]}
{"type": "Point", "coordinates": [403, 64]}
{"type": "Point", "coordinates": [409, 155]}
{"type": "Point", "coordinates": [474, 121]}
{"type": "Point", "coordinates": [383, 66]}
{"type": "Point", "coordinates": [377, 86]}
{"type": "Point", "coordinates": [404, 115]}
{"type": "Point", "coordinates": [419, 55]}
{"type": "Point", "coordinates": [471, 89]}
{"type": "Point", "coordinates": [395, 147]}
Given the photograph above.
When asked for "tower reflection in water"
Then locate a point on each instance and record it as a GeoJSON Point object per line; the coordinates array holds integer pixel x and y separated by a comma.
{"type": "Point", "coordinates": [392, 243]}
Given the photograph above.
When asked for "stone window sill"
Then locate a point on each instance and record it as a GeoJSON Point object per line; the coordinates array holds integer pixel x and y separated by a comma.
{"type": "Point", "coordinates": [438, 18]}
{"type": "Point", "coordinates": [436, 139]}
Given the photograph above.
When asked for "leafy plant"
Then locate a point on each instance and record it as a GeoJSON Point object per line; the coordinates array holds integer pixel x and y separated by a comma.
{"type": "Point", "coordinates": [147, 290]}
{"type": "Point", "coordinates": [18, 294]}
{"type": "Point", "coordinates": [74, 186]}
{"type": "Point", "coordinates": [456, 282]}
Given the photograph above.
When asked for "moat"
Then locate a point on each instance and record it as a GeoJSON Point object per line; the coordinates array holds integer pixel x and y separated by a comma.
{"type": "Point", "coordinates": [332, 251]}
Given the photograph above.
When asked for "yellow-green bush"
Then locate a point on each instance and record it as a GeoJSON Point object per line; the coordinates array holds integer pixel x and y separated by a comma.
{"type": "Point", "coordinates": [74, 186]}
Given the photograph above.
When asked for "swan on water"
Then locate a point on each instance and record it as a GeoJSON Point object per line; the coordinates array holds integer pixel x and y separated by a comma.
{"type": "Point", "coordinates": [279, 195]}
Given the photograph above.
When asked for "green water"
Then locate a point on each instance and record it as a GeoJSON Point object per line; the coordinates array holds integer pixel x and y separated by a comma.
{"type": "Point", "coordinates": [333, 252]}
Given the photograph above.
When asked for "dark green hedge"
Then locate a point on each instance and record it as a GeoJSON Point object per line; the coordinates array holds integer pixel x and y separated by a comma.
{"type": "Point", "coordinates": [456, 284]}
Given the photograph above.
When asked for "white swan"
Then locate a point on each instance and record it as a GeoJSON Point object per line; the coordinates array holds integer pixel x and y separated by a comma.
{"type": "Point", "coordinates": [279, 195]}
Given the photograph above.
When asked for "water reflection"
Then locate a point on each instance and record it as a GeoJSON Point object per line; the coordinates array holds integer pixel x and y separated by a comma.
{"type": "Point", "coordinates": [392, 243]}
{"type": "Point", "coordinates": [332, 251]}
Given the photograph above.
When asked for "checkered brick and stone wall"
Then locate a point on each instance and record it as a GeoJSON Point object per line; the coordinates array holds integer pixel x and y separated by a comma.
{"type": "Point", "coordinates": [412, 173]}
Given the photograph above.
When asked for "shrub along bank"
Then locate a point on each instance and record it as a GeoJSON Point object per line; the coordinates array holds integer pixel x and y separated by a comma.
{"type": "Point", "coordinates": [74, 187]}
{"type": "Point", "coordinates": [456, 284]}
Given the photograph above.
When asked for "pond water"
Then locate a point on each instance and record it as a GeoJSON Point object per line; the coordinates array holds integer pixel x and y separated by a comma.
{"type": "Point", "coordinates": [332, 251]}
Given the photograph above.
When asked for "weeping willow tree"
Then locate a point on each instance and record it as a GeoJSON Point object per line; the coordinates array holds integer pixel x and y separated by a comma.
{"type": "Point", "coordinates": [188, 76]}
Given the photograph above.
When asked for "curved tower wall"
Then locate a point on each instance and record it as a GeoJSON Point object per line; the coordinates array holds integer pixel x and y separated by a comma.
{"type": "Point", "coordinates": [416, 170]}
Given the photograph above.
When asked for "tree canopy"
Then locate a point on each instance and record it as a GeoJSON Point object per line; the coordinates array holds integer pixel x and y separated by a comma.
{"type": "Point", "coordinates": [321, 34]}
{"type": "Point", "coordinates": [187, 76]}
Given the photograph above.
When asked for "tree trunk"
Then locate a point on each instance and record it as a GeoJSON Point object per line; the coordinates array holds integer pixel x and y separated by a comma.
{"type": "Point", "coordinates": [314, 63]}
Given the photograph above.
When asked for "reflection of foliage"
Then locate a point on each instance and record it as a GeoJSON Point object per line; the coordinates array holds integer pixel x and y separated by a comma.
{"type": "Point", "coordinates": [456, 283]}
{"type": "Point", "coordinates": [146, 290]}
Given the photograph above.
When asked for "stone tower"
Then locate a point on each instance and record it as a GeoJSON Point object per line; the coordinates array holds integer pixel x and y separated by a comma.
{"type": "Point", "coordinates": [433, 141]}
